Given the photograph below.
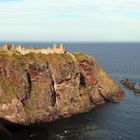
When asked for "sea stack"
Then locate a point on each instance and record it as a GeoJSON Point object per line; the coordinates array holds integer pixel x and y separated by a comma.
{"type": "Point", "coordinates": [38, 86]}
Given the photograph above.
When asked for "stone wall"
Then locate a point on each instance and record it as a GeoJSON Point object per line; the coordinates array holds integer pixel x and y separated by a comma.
{"type": "Point", "coordinates": [24, 51]}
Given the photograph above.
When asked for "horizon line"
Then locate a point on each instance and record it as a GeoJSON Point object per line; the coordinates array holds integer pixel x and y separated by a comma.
{"type": "Point", "coordinates": [58, 41]}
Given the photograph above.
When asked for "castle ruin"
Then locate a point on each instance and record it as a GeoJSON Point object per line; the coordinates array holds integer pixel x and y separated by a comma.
{"type": "Point", "coordinates": [24, 51]}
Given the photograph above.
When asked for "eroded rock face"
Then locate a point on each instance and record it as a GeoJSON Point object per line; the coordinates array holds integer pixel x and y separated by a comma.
{"type": "Point", "coordinates": [38, 88]}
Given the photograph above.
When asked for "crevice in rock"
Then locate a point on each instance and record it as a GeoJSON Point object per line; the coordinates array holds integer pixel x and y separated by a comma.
{"type": "Point", "coordinates": [27, 91]}
{"type": "Point", "coordinates": [53, 94]}
{"type": "Point", "coordinates": [82, 80]}
{"type": "Point", "coordinates": [52, 88]}
{"type": "Point", "coordinates": [0, 70]}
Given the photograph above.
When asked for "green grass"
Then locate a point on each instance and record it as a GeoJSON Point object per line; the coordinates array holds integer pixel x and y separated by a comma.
{"type": "Point", "coordinates": [9, 90]}
{"type": "Point", "coordinates": [82, 55]}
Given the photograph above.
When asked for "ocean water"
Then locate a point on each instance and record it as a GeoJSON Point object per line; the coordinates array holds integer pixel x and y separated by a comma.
{"type": "Point", "coordinates": [109, 121]}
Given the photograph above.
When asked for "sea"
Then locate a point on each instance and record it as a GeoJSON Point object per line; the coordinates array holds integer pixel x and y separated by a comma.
{"type": "Point", "coordinates": [108, 121]}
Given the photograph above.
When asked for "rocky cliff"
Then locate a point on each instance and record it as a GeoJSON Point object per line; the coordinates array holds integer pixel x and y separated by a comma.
{"type": "Point", "coordinates": [38, 88]}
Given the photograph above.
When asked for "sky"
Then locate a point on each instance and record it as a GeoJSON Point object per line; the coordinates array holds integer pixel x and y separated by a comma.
{"type": "Point", "coordinates": [70, 20]}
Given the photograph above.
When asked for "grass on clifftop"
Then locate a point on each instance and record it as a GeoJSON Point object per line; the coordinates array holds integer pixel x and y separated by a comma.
{"type": "Point", "coordinates": [33, 57]}
{"type": "Point", "coordinates": [81, 55]}
{"type": "Point", "coordinates": [41, 58]}
{"type": "Point", "coordinates": [8, 90]}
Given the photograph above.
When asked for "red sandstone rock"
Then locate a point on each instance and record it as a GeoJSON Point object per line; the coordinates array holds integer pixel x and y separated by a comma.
{"type": "Point", "coordinates": [37, 88]}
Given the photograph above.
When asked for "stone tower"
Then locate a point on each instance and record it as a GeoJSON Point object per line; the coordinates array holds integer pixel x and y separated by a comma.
{"type": "Point", "coordinates": [54, 46]}
{"type": "Point", "coordinates": [19, 49]}
{"type": "Point", "coordinates": [62, 48]}
{"type": "Point", "coordinates": [5, 47]}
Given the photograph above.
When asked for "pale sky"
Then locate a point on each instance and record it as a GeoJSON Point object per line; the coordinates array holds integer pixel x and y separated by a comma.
{"type": "Point", "coordinates": [70, 20]}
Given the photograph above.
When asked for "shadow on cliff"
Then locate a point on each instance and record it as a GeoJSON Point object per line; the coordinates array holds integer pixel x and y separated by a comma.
{"type": "Point", "coordinates": [10, 125]}
{"type": "Point", "coordinates": [21, 132]}
{"type": "Point", "coordinates": [75, 127]}
{"type": "Point", "coordinates": [50, 131]}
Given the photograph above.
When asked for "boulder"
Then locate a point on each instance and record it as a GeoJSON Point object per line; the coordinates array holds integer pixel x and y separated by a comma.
{"type": "Point", "coordinates": [128, 84]}
{"type": "Point", "coordinates": [137, 92]}
{"type": "Point", "coordinates": [132, 86]}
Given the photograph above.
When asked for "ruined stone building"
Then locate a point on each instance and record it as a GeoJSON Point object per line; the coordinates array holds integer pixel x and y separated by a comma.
{"type": "Point", "coordinates": [23, 51]}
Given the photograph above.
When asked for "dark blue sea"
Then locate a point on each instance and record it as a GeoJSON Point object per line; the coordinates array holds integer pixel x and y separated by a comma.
{"type": "Point", "coordinates": [109, 121]}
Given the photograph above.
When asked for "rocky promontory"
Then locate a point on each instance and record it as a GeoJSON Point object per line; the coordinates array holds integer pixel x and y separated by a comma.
{"type": "Point", "coordinates": [38, 87]}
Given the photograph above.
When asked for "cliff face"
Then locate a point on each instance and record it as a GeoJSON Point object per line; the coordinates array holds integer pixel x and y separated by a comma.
{"type": "Point", "coordinates": [42, 88]}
